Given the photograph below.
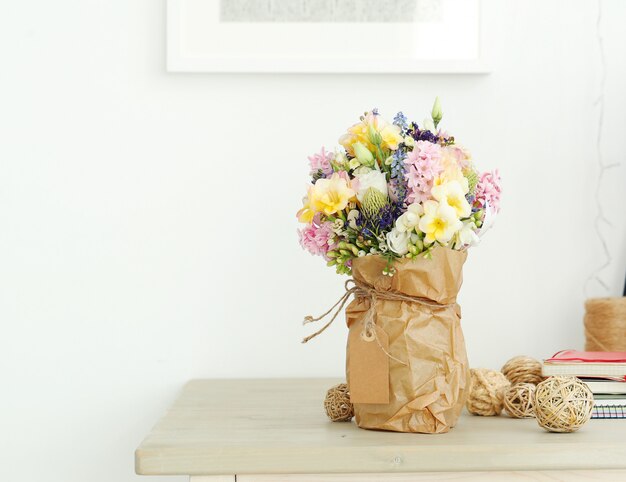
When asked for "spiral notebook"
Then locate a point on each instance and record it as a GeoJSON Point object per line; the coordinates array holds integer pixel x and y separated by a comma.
{"type": "Point", "coordinates": [609, 411]}
{"type": "Point", "coordinates": [609, 406]}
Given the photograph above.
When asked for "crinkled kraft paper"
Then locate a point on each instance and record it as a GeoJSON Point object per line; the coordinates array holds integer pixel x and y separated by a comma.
{"type": "Point", "coordinates": [427, 394]}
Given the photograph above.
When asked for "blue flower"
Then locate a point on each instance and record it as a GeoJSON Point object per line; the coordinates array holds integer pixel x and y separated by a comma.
{"type": "Point", "coordinates": [398, 179]}
{"type": "Point", "coordinates": [400, 120]}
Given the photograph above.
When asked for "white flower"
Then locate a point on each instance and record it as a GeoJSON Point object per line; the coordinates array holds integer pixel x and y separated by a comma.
{"type": "Point", "coordinates": [453, 194]}
{"type": "Point", "coordinates": [466, 236]}
{"type": "Point", "coordinates": [429, 125]}
{"type": "Point", "coordinates": [375, 179]}
{"type": "Point", "coordinates": [409, 219]}
{"type": "Point", "coordinates": [439, 223]}
{"type": "Point", "coordinates": [398, 241]}
{"type": "Point", "coordinates": [338, 225]}
{"type": "Point", "coordinates": [352, 217]}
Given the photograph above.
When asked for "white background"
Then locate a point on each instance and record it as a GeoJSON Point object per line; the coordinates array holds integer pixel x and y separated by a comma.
{"type": "Point", "coordinates": [147, 228]}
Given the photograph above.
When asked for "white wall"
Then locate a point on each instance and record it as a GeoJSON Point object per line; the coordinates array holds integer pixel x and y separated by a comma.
{"type": "Point", "coordinates": [147, 230]}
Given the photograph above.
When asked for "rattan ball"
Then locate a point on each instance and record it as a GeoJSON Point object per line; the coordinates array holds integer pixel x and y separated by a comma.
{"type": "Point", "coordinates": [518, 400]}
{"type": "Point", "coordinates": [486, 393]}
{"type": "Point", "coordinates": [337, 404]}
{"type": "Point", "coordinates": [562, 404]}
{"type": "Point", "coordinates": [523, 369]}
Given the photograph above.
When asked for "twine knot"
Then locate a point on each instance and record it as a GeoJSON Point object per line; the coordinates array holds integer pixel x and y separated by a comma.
{"type": "Point", "coordinates": [362, 290]}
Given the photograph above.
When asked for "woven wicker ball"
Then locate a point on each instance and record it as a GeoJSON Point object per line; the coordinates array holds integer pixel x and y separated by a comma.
{"type": "Point", "coordinates": [337, 403]}
{"type": "Point", "coordinates": [523, 369]}
{"type": "Point", "coordinates": [486, 395]}
{"type": "Point", "coordinates": [562, 404]}
{"type": "Point", "coordinates": [518, 400]}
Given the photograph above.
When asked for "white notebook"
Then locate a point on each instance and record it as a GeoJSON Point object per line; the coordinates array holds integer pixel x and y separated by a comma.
{"type": "Point", "coordinates": [603, 370]}
{"type": "Point", "coordinates": [599, 385]}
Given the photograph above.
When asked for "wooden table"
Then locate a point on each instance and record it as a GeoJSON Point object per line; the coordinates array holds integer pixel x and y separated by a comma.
{"type": "Point", "coordinates": [276, 430]}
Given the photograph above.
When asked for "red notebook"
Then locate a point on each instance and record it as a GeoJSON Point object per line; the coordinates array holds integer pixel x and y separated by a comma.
{"type": "Point", "coordinates": [600, 364]}
{"type": "Point", "coordinates": [588, 356]}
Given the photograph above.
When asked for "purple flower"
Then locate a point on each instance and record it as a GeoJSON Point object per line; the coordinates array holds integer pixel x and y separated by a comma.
{"type": "Point", "coordinates": [422, 135]}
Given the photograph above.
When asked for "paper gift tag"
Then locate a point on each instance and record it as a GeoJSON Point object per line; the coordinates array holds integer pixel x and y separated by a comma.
{"type": "Point", "coordinates": [368, 366]}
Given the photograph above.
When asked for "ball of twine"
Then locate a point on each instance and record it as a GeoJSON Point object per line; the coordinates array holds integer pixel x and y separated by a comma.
{"type": "Point", "coordinates": [523, 369]}
{"type": "Point", "coordinates": [518, 400]}
{"type": "Point", "coordinates": [486, 393]}
{"type": "Point", "coordinates": [562, 404]}
{"type": "Point", "coordinates": [337, 403]}
{"type": "Point", "coordinates": [605, 324]}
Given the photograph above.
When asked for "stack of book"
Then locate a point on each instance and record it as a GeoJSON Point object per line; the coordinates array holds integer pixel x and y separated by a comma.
{"type": "Point", "coordinates": [603, 372]}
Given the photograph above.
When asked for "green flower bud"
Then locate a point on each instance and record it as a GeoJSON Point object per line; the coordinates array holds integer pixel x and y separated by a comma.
{"type": "Point", "coordinates": [436, 113]}
{"type": "Point", "coordinates": [374, 136]}
{"type": "Point", "coordinates": [363, 154]}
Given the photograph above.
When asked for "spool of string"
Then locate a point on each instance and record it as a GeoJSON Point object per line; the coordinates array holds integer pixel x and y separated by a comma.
{"type": "Point", "coordinates": [486, 396]}
{"type": "Point", "coordinates": [523, 369]}
{"type": "Point", "coordinates": [519, 400]}
{"type": "Point", "coordinates": [605, 324]}
{"type": "Point", "coordinates": [337, 403]}
{"type": "Point", "coordinates": [562, 404]}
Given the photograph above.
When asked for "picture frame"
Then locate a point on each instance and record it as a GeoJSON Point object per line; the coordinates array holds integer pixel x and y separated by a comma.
{"type": "Point", "coordinates": [325, 36]}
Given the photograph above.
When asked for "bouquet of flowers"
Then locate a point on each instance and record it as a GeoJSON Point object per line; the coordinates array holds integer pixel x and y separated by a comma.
{"type": "Point", "coordinates": [396, 190]}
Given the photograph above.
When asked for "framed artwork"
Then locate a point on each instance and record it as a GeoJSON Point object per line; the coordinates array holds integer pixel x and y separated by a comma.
{"type": "Point", "coordinates": [325, 36]}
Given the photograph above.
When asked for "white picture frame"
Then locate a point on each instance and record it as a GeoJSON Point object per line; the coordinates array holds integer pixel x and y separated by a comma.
{"type": "Point", "coordinates": [447, 42]}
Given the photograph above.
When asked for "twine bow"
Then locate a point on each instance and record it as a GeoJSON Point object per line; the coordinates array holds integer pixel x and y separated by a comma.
{"type": "Point", "coordinates": [361, 290]}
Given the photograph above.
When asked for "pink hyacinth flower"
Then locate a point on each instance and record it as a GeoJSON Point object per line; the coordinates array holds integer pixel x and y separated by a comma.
{"type": "Point", "coordinates": [316, 238]}
{"type": "Point", "coordinates": [423, 167]}
{"type": "Point", "coordinates": [321, 162]}
{"type": "Point", "coordinates": [488, 190]}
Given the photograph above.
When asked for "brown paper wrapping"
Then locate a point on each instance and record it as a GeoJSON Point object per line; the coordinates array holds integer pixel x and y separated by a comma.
{"type": "Point", "coordinates": [427, 394]}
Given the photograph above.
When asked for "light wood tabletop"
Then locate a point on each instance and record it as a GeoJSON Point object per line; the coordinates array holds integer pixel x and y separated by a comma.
{"type": "Point", "coordinates": [278, 426]}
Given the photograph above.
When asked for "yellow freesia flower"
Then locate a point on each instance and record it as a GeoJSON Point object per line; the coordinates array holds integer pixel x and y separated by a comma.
{"type": "Point", "coordinates": [360, 132]}
{"type": "Point", "coordinates": [331, 195]}
{"type": "Point", "coordinates": [306, 214]}
{"type": "Point", "coordinates": [450, 174]}
{"type": "Point", "coordinates": [356, 133]}
{"type": "Point", "coordinates": [453, 194]}
{"type": "Point", "coordinates": [439, 223]}
{"type": "Point", "coordinates": [391, 136]}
